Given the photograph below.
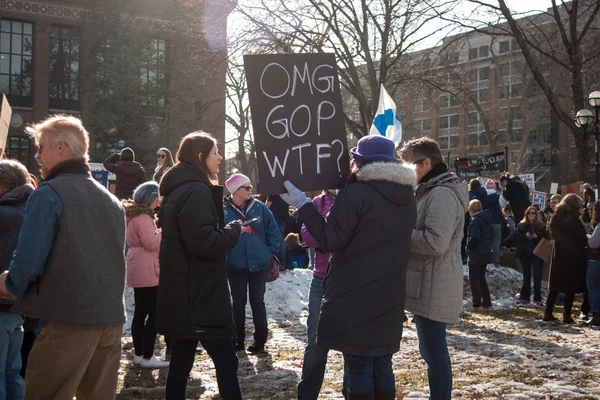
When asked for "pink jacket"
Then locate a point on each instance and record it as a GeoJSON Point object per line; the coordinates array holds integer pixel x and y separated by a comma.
{"type": "Point", "coordinates": [143, 239]}
{"type": "Point", "coordinates": [322, 203]}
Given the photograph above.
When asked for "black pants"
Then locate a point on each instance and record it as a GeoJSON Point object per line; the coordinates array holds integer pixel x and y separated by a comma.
{"type": "Point", "coordinates": [223, 355]}
{"type": "Point", "coordinates": [479, 286]}
{"type": "Point", "coordinates": [569, 297]}
{"type": "Point", "coordinates": [143, 330]}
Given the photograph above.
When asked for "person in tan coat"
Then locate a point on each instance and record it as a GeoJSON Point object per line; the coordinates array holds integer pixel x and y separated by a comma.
{"type": "Point", "coordinates": [435, 272]}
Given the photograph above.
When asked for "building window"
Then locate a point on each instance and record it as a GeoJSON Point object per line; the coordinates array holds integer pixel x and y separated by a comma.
{"type": "Point", "coordinates": [480, 84]}
{"type": "Point", "coordinates": [484, 51]}
{"type": "Point", "coordinates": [477, 135]}
{"type": "Point", "coordinates": [152, 74]}
{"type": "Point", "coordinates": [104, 57]}
{"type": "Point", "coordinates": [449, 131]}
{"type": "Point", "coordinates": [17, 148]}
{"type": "Point", "coordinates": [479, 52]}
{"type": "Point", "coordinates": [540, 134]}
{"type": "Point", "coordinates": [425, 105]}
{"type": "Point", "coordinates": [473, 54]}
{"type": "Point", "coordinates": [426, 127]}
{"type": "Point", "coordinates": [16, 67]}
{"type": "Point", "coordinates": [64, 67]}
{"type": "Point", "coordinates": [504, 47]}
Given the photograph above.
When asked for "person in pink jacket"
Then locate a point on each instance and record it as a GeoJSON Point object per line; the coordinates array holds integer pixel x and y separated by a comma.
{"type": "Point", "coordinates": [143, 238]}
{"type": "Point", "coordinates": [315, 356]}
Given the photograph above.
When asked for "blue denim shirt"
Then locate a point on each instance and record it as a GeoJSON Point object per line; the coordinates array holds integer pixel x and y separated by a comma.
{"type": "Point", "coordinates": [44, 212]}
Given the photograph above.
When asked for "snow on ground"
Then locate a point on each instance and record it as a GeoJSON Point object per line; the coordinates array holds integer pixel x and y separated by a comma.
{"type": "Point", "coordinates": [506, 353]}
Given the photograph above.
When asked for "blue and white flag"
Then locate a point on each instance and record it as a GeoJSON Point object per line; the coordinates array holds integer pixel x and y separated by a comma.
{"type": "Point", "coordinates": [386, 122]}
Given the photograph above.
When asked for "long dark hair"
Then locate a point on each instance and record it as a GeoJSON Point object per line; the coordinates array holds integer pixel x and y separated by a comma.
{"type": "Point", "coordinates": [168, 160]}
{"type": "Point", "coordinates": [570, 204]}
{"type": "Point", "coordinates": [525, 220]}
{"type": "Point", "coordinates": [195, 143]}
{"type": "Point", "coordinates": [596, 213]}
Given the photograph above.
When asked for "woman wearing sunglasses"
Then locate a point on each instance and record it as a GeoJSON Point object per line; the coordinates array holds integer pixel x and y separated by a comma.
{"type": "Point", "coordinates": [164, 162]}
{"type": "Point", "coordinates": [248, 262]}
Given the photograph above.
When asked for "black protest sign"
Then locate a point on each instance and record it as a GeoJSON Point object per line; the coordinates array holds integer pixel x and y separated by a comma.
{"type": "Point", "coordinates": [472, 167]}
{"type": "Point", "coordinates": [298, 121]}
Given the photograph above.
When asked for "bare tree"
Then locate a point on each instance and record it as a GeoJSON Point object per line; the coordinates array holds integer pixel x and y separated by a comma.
{"type": "Point", "coordinates": [560, 48]}
{"type": "Point", "coordinates": [368, 37]}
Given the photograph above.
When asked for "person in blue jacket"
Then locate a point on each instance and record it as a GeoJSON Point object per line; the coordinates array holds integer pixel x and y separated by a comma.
{"type": "Point", "coordinates": [248, 262]}
{"type": "Point", "coordinates": [14, 193]}
{"type": "Point", "coordinates": [479, 249]}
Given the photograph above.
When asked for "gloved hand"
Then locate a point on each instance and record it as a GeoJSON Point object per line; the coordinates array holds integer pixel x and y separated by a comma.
{"type": "Point", "coordinates": [294, 197]}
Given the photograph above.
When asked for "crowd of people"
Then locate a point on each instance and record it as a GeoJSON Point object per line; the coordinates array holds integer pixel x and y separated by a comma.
{"type": "Point", "coordinates": [194, 254]}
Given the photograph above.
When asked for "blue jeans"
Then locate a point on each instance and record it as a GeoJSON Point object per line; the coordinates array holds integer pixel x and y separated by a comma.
{"type": "Point", "coordinates": [368, 374]}
{"type": "Point", "coordinates": [593, 283]}
{"type": "Point", "coordinates": [496, 243]}
{"type": "Point", "coordinates": [256, 282]}
{"type": "Point", "coordinates": [315, 356]}
{"type": "Point", "coordinates": [528, 261]}
{"type": "Point", "coordinates": [11, 337]}
{"type": "Point", "coordinates": [313, 257]}
{"type": "Point", "coordinates": [434, 350]}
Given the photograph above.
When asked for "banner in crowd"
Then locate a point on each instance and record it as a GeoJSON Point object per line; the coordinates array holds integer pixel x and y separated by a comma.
{"type": "Point", "coordinates": [576, 188]}
{"type": "Point", "coordinates": [471, 167]}
{"type": "Point", "coordinates": [5, 115]}
{"type": "Point", "coordinates": [529, 180]}
{"type": "Point", "coordinates": [298, 121]}
{"type": "Point", "coordinates": [553, 188]}
{"type": "Point", "coordinates": [539, 198]}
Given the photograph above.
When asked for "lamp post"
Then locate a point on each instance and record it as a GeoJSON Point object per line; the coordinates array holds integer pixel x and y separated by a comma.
{"type": "Point", "coordinates": [589, 123]}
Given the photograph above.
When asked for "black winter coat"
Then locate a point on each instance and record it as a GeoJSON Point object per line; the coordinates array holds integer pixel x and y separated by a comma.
{"type": "Point", "coordinates": [568, 265]}
{"type": "Point", "coordinates": [130, 174]}
{"type": "Point", "coordinates": [517, 194]}
{"type": "Point", "coordinates": [479, 238]}
{"type": "Point", "coordinates": [368, 233]}
{"type": "Point", "coordinates": [519, 238]}
{"type": "Point", "coordinates": [193, 293]}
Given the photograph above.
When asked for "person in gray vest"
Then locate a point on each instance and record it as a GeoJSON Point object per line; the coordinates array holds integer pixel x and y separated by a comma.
{"type": "Point", "coordinates": [69, 271]}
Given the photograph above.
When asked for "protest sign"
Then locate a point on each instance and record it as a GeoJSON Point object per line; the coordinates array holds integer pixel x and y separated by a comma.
{"type": "Point", "coordinates": [529, 180]}
{"type": "Point", "coordinates": [573, 188]}
{"type": "Point", "coordinates": [539, 198]}
{"type": "Point", "coordinates": [471, 167]}
{"type": "Point", "coordinates": [298, 121]}
{"type": "Point", "coordinates": [5, 115]}
{"type": "Point", "coordinates": [553, 188]}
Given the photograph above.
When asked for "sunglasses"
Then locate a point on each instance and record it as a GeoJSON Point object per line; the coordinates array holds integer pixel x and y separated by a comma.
{"type": "Point", "coordinates": [161, 156]}
{"type": "Point", "coordinates": [247, 188]}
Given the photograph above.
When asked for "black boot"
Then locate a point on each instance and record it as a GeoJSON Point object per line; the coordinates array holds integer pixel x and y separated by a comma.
{"type": "Point", "coordinates": [385, 395]}
{"type": "Point", "coordinates": [595, 321]}
{"type": "Point", "coordinates": [256, 348]}
{"type": "Point", "coordinates": [239, 346]}
{"type": "Point", "coordinates": [549, 317]}
{"type": "Point", "coordinates": [567, 318]}
{"type": "Point", "coordinates": [362, 396]}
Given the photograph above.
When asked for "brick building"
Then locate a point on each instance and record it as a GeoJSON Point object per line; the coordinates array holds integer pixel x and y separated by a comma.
{"type": "Point", "coordinates": [54, 60]}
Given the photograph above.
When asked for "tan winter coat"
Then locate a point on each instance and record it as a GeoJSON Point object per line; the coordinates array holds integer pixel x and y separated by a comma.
{"type": "Point", "coordinates": [435, 272]}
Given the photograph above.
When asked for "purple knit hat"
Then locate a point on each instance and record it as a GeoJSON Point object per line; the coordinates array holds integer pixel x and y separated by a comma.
{"type": "Point", "coordinates": [235, 181]}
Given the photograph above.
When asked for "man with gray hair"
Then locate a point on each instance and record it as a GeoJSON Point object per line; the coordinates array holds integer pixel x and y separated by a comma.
{"type": "Point", "coordinates": [435, 270]}
{"type": "Point", "coordinates": [69, 271]}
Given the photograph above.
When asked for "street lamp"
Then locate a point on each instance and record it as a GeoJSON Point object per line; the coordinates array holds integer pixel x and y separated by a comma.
{"type": "Point", "coordinates": [589, 122]}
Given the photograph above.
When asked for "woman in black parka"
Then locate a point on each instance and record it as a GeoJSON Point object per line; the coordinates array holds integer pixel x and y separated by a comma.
{"type": "Point", "coordinates": [193, 296]}
{"type": "Point", "coordinates": [568, 265]}
{"type": "Point", "coordinates": [368, 232]}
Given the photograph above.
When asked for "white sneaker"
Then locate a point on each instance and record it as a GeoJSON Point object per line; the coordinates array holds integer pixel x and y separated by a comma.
{"type": "Point", "coordinates": [137, 360]}
{"type": "Point", "coordinates": [154, 362]}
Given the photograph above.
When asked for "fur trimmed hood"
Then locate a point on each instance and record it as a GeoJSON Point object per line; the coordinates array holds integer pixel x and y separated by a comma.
{"type": "Point", "coordinates": [133, 209]}
{"type": "Point", "coordinates": [395, 181]}
{"type": "Point", "coordinates": [399, 173]}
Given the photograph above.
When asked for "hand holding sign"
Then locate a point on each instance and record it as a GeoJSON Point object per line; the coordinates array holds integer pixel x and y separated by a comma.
{"type": "Point", "coordinates": [298, 121]}
{"type": "Point", "coordinates": [294, 197]}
